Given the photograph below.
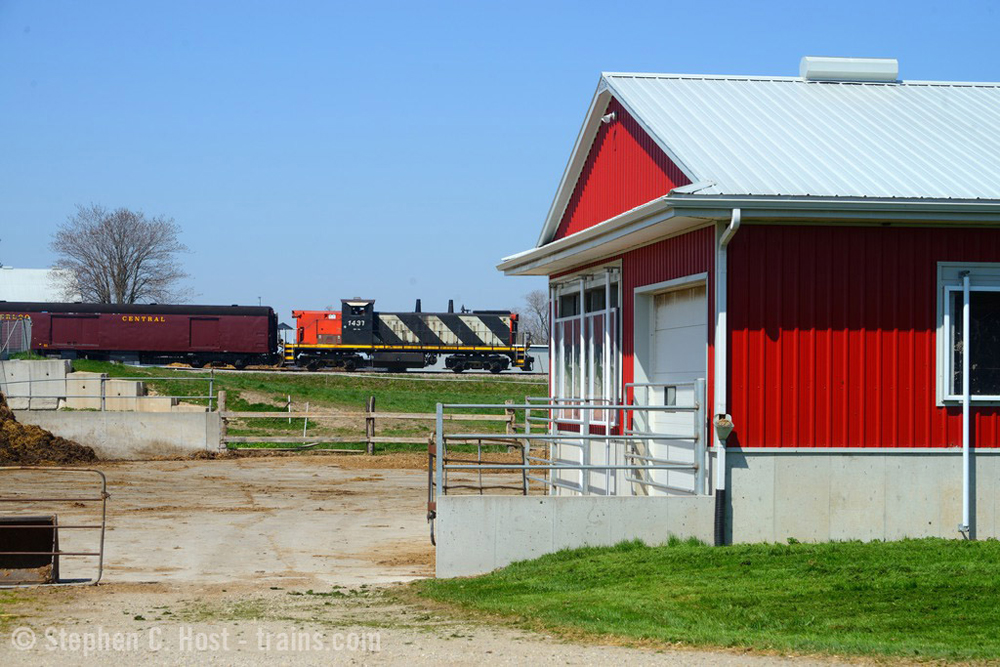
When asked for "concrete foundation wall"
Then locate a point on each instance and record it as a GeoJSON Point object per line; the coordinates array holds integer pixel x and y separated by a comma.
{"type": "Point", "coordinates": [132, 435]}
{"type": "Point", "coordinates": [869, 496]}
{"type": "Point", "coordinates": [477, 534]}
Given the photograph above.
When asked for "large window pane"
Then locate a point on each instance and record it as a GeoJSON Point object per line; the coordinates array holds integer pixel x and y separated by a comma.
{"type": "Point", "coordinates": [597, 335]}
{"type": "Point", "coordinates": [585, 367]}
{"type": "Point", "coordinates": [984, 322]}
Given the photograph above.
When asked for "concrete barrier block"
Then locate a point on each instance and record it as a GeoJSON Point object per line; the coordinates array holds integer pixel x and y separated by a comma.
{"type": "Point", "coordinates": [48, 382]}
{"type": "Point", "coordinates": [15, 384]}
{"type": "Point", "coordinates": [157, 404]}
{"type": "Point", "coordinates": [188, 407]}
{"type": "Point", "coordinates": [84, 390]}
{"type": "Point", "coordinates": [121, 395]}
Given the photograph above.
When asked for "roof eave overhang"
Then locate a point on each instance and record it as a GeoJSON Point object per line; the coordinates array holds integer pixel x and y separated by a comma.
{"type": "Point", "coordinates": [639, 226]}
{"type": "Point", "coordinates": [676, 213]}
{"type": "Point", "coordinates": [581, 149]}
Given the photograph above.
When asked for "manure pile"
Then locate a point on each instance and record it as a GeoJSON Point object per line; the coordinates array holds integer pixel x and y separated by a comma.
{"type": "Point", "coordinates": [27, 445]}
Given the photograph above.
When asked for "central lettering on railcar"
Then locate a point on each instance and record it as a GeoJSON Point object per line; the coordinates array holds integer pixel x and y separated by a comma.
{"type": "Point", "coordinates": [15, 316]}
{"type": "Point", "coordinates": [144, 319]}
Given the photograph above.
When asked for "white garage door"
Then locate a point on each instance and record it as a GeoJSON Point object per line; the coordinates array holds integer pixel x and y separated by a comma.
{"type": "Point", "coordinates": [679, 355]}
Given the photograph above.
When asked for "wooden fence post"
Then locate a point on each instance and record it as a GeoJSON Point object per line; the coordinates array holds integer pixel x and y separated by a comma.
{"type": "Point", "coordinates": [223, 429]}
{"type": "Point", "coordinates": [511, 429]}
{"type": "Point", "coordinates": [370, 424]}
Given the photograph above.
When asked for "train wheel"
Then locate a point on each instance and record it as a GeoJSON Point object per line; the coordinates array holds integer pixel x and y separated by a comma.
{"type": "Point", "coordinates": [197, 363]}
{"type": "Point", "coordinates": [458, 367]}
{"type": "Point", "coordinates": [312, 366]}
{"type": "Point", "coordinates": [240, 364]}
{"type": "Point", "coordinates": [496, 367]}
{"type": "Point", "coordinates": [350, 365]}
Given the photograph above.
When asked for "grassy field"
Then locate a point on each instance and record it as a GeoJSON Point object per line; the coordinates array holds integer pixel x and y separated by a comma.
{"type": "Point", "coordinates": [250, 391]}
{"type": "Point", "coordinates": [937, 599]}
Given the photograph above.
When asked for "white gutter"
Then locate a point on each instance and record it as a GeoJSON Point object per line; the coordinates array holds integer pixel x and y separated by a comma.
{"type": "Point", "coordinates": [721, 330]}
{"type": "Point", "coordinates": [721, 422]}
{"type": "Point", "coordinates": [966, 399]}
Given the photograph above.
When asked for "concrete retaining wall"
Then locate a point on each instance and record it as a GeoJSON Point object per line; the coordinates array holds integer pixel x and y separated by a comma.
{"type": "Point", "coordinates": [477, 534]}
{"type": "Point", "coordinates": [132, 435]}
{"type": "Point", "coordinates": [818, 496]}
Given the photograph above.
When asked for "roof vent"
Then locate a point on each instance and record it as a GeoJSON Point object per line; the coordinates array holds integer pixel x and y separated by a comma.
{"type": "Point", "coordinates": [816, 68]}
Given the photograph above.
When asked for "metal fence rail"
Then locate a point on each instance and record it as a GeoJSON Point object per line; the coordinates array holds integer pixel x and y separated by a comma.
{"type": "Point", "coordinates": [103, 394]}
{"type": "Point", "coordinates": [370, 415]}
{"type": "Point", "coordinates": [51, 504]}
{"type": "Point", "coordinates": [572, 448]}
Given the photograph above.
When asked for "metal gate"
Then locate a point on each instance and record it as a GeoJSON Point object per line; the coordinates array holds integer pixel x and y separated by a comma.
{"type": "Point", "coordinates": [51, 518]}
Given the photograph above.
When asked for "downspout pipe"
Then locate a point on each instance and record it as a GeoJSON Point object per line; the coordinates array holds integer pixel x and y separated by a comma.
{"type": "Point", "coordinates": [720, 388]}
{"type": "Point", "coordinates": [966, 401]}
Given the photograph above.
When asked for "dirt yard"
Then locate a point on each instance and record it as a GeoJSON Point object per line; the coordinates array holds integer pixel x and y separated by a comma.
{"type": "Point", "coordinates": [269, 560]}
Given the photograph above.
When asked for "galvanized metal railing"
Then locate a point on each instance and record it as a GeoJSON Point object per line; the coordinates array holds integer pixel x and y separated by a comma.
{"type": "Point", "coordinates": [574, 448]}
{"type": "Point", "coordinates": [639, 424]}
{"type": "Point", "coordinates": [51, 504]}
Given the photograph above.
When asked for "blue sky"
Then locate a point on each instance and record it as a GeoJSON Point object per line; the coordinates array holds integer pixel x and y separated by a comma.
{"type": "Point", "coordinates": [319, 150]}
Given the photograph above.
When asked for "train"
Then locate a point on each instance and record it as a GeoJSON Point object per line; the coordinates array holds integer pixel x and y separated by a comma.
{"type": "Point", "coordinates": [358, 335]}
{"type": "Point", "coordinates": [354, 337]}
{"type": "Point", "coordinates": [151, 334]}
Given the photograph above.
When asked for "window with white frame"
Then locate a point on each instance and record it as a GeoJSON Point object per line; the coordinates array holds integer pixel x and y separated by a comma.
{"type": "Point", "coordinates": [585, 343]}
{"type": "Point", "coordinates": [981, 342]}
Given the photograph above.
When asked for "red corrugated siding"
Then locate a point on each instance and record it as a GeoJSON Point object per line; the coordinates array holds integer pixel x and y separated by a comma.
{"type": "Point", "coordinates": [624, 169]}
{"type": "Point", "coordinates": [833, 333]}
{"type": "Point", "coordinates": [672, 258]}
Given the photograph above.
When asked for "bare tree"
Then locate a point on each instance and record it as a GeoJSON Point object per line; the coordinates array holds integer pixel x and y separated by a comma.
{"type": "Point", "coordinates": [120, 256]}
{"type": "Point", "coordinates": [536, 315]}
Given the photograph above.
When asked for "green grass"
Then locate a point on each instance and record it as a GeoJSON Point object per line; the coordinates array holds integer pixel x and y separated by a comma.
{"type": "Point", "coordinates": [916, 598]}
{"type": "Point", "coordinates": [267, 392]}
{"type": "Point", "coordinates": [27, 356]}
{"type": "Point", "coordinates": [392, 393]}
{"type": "Point", "coordinates": [7, 599]}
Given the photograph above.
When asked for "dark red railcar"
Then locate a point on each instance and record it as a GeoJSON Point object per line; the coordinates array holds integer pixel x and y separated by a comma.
{"type": "Point", "coordinates": [198, 335]}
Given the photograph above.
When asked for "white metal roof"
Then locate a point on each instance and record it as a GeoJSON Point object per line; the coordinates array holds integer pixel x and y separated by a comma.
{"type": "Point", "coordinates": [791, 137]}
{"type": "Point", "coordinates": [31, 285]}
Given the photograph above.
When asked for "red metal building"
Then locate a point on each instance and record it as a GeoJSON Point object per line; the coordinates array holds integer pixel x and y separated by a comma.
{"type": "Point", "coordinates": [814, 249]}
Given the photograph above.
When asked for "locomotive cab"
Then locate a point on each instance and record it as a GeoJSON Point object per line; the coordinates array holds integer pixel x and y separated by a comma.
{"type": "Point", "coordinates": [358, 321]}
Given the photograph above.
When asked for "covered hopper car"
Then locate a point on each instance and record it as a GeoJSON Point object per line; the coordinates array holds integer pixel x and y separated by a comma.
{"type": "Point", "coordinates": [197, 335]}
{"type": "Point", "coordinates": [358, 335]}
